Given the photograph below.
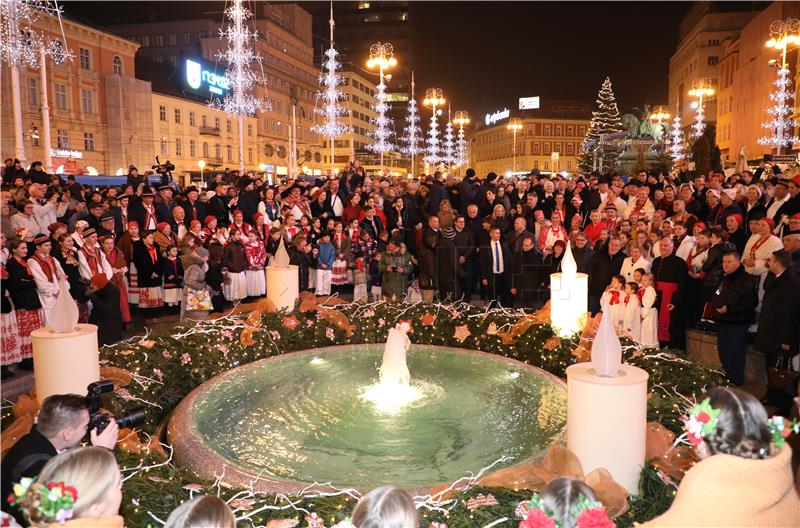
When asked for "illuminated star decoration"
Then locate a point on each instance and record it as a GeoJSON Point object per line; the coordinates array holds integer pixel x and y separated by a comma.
{"type": "Point", "coordinates": [291, 322]}
{"type": "Point", "coordinates": [677, 146]}
{"type": "Point", "coordinates": [20, 44]}
{"type": "Point", "coordinates": [411, 140]}
{"type": "Point", "coordinates": [449, 155]}
{"type": "Point", "coordinates": [382, 131]}
{"type": "Point", "coordinates": [780, 123]}
{"type": "Point", "coordinates": [238, 55]}
{"type": "Point", "coordinates": [428, 319]}
{"type": "Point", "coordinates": [432, 155]}
{"type": "Point", "coordinates": [462, 333]}
{"type": "Point", "coordinates": [331, 109]}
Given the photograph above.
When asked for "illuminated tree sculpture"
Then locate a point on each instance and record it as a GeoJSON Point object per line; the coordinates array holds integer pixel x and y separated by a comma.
{"type": "Point", "coordinates": [677, 145]}
{"type": "Point", "coordinates": [780, 123]}
{"type": "Point", "coordinates": [411, 141]}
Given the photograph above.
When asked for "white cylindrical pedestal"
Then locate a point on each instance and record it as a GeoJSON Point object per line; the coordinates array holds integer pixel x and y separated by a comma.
{"type": "Point", "coordinates": [65, 363]}
{"type": "Point", "coordinates": [569, 301]}
{"type": "Point", "coordinates": [283, 288]}
{"type": "Point", "coordinates": [607, 421]}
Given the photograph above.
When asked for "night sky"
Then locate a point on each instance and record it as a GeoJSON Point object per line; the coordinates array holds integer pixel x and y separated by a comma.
{"type": "Point", "coordinates": [485, 55]}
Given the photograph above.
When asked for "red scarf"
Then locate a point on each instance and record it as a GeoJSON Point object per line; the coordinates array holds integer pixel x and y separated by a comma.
{"type": "Point", "coordinates": [760, 242]}
{"type": "Point", "coordinates": [92, 257]}
{"type": "Point", "coordinates": [153, 254]}
{"type": "Point", "coordinates": [614, 297]}
{"type": "Point", "coordinates": [47, 265]}
{"type": "Point", "coordinates": [640, 293]}
{"type": "Point", "coordinates": [149, 216]}
{"type": "Point", "coordinates": [627, 298]}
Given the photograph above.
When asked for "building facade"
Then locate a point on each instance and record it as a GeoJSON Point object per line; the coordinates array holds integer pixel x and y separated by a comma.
{"type": "Point", "coordinates": [700, 48]}
{"type": "Point", "coordinates": [549, 141]}
{"type": "Point", "coordinates": [100, 114]}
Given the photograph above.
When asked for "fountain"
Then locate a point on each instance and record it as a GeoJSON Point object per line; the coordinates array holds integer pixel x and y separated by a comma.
{"type": "Point", "coordinates": [284, 422]}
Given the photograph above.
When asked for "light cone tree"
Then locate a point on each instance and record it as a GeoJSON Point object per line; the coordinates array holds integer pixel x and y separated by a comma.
{"type": "Point", "coordinates": [780, 123]}
{"type": "Point", "coordinates": [605, 120]}
{"type": "Point", "coordinates": [411, 140]}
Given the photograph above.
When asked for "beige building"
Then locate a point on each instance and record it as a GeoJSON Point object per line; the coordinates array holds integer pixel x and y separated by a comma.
{"type": "Point", "coordinates": [100, 114]}
{"type": "Point", "coordinates": [700, 49]}
{"type": "Point", "coordinates": [747, 81]}
{"type": "Point", "coordinates": [549, 141]}
{"type": "Point", "coordinates": [291, 79]}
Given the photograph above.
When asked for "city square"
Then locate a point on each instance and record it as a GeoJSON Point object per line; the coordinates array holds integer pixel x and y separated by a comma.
{"type": "Point", "coordinates": [400, 264]}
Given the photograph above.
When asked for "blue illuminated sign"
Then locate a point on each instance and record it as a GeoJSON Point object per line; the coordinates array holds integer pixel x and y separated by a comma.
{"type": "Point", "coordinates": [202, 77]}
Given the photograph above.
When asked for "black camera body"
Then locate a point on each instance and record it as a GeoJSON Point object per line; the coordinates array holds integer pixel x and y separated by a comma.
{"type": "Point", "coordinates": [99, 420]}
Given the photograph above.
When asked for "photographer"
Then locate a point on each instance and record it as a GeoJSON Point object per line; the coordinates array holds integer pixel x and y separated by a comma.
{"type": "Point", "coordinates": [62, 424]}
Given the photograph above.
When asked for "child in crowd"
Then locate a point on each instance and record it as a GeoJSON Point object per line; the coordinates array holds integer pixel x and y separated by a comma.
{"type": "Point", "coordinates": [326, 255]}
{"type": "Point", "coordinates": [300, 256]}
{"type": "Point", "coordinates": [234, 263]}
{"type": "Point", "coordinates": [612, 298]}
{"type": "Point", "coordinates": [376, 278]}
{"type": "Point", "coordinates": [386, 507]}
{"type": "Point", "coordinates": [173, 278]}
{"type": "Point", "coordinates": [564, 499]}
{"type": "Point", "coordinates": [202, 512]}
{"type": "Point", "coordinates": [649, 326]}
{"type": "Point", "coordinates": [638, 273]}
{"type": "Point", "coordinates": [631, 319]}
{"type": "Point", "coordinates": [256, 260]}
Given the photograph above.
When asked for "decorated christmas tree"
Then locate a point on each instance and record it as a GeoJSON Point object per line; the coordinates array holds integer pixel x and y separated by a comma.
{"type": "Point", "coordinates": [780, 123]}
{"type": "Point", "coordinates": [605, 120]}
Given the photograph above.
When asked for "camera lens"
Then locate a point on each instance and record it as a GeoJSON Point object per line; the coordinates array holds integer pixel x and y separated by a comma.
{"type": "Point", "coordinates": [131, 418]}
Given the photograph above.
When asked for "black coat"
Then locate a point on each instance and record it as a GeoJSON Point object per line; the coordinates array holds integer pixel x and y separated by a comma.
{"type": "Point", "coordinates": [21, 286]}
{"type": "Point", "coordinates": [602, 267]}
{"type": "Point", "coordinates": [106, 314]}
{"type": "Point", "coordinates": [779, 319]}
{"type": "Point", "coordinates": [218, 207]}
{"type": "Point", "coordinates": [435, 197]}
{"type": "Point", "coordinates": [738, 292]}
{"type": "Point", "coordinates": [194, 211]}
{"type": "Point", "coordinates": [528, 271]}
{"type": "Point", "coordinates": [487, 261]}
{"type": "Point", "coordinates": [712, 267]}
{"type": "Point", "coordinates": [145, 267]}
{"type": "Point", "coordinates": [26, 458]}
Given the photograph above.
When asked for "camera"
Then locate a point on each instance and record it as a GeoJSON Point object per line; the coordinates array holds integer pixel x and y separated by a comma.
{"type": "Point", "coordinates": [163, 168]}
{"type": "Point", "coordinates": [98, 420]}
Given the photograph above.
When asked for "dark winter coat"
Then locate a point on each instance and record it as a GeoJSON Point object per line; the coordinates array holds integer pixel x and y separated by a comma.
{"type": "Point", "coordinates": [738, 292]}
{"type": "Point", "coordinates": [779, 319]}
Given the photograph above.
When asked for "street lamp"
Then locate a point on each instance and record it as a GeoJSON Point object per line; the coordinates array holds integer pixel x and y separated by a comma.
{"type": "Point", "coordinates": [433, 97]}
{"type": "Point", "coordinates": [660, 113]}
{"type": "Point", "coordinates": [381, 55]}
{"type": "Point", "coordinates": [514, 125]}
{"type": "Point", "coordinates": [202, 165]}
{"type": "Point", "coordinates": [461, 118]}
{"type": "Point", "coordinates": [700, 89]}
{"type": "Point", "coordinates": [783, 34]}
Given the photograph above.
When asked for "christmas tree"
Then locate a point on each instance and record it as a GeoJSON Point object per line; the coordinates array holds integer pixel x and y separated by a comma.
{"type": "Point", "coordinates": [449, 143]}
{"type": "Point", "coordinates": [605, 120]}
{"type": "Point", "coordinates": [411, 140]}
{"type": "Point", "coordinates": [780, 122]}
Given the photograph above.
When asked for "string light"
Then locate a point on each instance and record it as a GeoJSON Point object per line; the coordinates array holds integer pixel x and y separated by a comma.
{"type": "Point", "coordinates": [21, 45]}
{"type": "Point", "coordinates": [411, 140]}
{"type": "Point", "coordinates": [381, 56]}
{"type": "Point", "coordinates": [780, 123]}
{"type": "Point", "coordinates": [433, 97]}
{"type": "Point", "coordinates": [677, 146]}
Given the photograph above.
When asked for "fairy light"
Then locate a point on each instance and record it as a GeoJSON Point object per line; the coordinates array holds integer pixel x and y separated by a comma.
{"type": "Point", "coordinates": [434, 97]}
{"type": "Point", "coordinates": [448, 149]}
{"type": "Point", "coordinates": [677, 145]}
{"type": "Point", "coordinates": [21, 45]}
{"type": "Point", "coordinates": [411, 140]}
{"type": "Point", "coordinates": [381, 55]}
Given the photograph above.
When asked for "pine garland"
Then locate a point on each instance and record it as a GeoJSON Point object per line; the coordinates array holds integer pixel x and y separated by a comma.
{"type": "Point", "coordinates": [181, 359]}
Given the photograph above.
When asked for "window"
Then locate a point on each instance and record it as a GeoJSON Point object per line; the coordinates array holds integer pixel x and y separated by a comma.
{"type": "Point", "coordinates": [33, 91]}
{"type": "Point", "coordinates": [547, 148]}
{"type": "Point", "coordinates": [178, 147]}
{"type": "Point", "coordinates": [178, 116]}
{"type": "Point", "coordinates": [536, 148]}
{"type": "Point", "coordinates": [558, 148]}
{"type": "Point", "coordinates": [164, 146]}
{"type": "Point", "coordinates": [205, 150]}
{"type": "Point", "coordinates": [173, 39]}
{"type": "Point", "coordinates": [713, 42]}
{"type": "Point", "coordinates": [88, 141]}
{"type": "Point", "coordinates": [569, 165]}
{"type": "Point", "coordinates": [216, 124]}
{"type": "Point", "coordinates": [192, 148]}
{"type": "Point", "coordinates": [229, 151]}
{"type": "Point", "coordinates": [87, 102]}
{"type": "Point", "coordinates": [187, 38]}
{"type": "Point", "coordinates": [201, 35]}
{"type": "Point", "coordinates": [85, 62]}
{"type": "Point", "coordinates": [558, 130]}
{"type": "Point", "coordinates": [203, 121]}
{"type": "Point", "coordinates": [229, 126]}
{"type": "Point", "coordinates": [172, 59]}
{"type": "Point", "coordinates": [158, 40]}
{"type": "Point", "coordinates": [250, 155]}
{"type": "Point", "coordinates": [547, 131]}
{"type": "Point", "coordinates": [62, 138]}
{"type": "Point", "coordinates": [145, 41]}
{"type": "Point", "coordinates": [570, 149]}
{"type": "Point", "coordinates": [60, 91]}
{"type": "Point", "coordinates": [217, 150]}
{"type": "Point", "coordinates": [570, 130]}
{"type": "Point", "coordinates": [249, 130]}
{"type": "Point", "coordinates": [713, 60]}
{"type": "Point", "coordinates": [162, 113]}
{"type": "Point", "coordinates": [191, 119]}
{"type": "Point", "coordinates": [547, 165]}
{"type": "Point", "coordinates": [35, 137]}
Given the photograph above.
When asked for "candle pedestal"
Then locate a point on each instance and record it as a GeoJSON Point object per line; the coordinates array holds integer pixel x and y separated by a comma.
{"type": "Point", "coordinates": [283, 288]}
{"type": "Point", "coordinates": [65, 363]}
{"type": "Point", "coordinates": [569, 302]}
{"type": "Point", "coordinates": [607, 421]}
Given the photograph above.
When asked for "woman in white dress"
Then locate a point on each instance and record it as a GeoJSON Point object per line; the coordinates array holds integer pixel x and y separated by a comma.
{"type": "Point", "coordinates": [649, 327]}
{"type": "Point", "coordinates": [761, 244]}
{"type": "Point", "coordinates": [635, 260]}
{"type": "Point", "coordinates": [47, 274]}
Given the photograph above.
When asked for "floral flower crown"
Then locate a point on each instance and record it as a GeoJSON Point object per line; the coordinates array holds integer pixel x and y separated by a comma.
{"type": "Point", "coordinates": [587, 513]}
{"type": "Point", "coordinates": [56, 500]}
{"type": "Point", "coordinates": [702, 420]}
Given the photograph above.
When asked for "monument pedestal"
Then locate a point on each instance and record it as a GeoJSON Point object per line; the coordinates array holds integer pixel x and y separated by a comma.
{"type": "Point", "coordinates": [65, 363]}
{"type": "Point", "coordinates": [283, 288]}
{"type": "Point", "coordinates": [607, 421]}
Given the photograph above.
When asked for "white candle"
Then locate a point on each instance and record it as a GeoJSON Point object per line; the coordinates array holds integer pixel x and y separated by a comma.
{"type": "Point", "coordinates": [569, 296]}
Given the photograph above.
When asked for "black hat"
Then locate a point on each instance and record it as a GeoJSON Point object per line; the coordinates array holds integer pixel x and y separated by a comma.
{"type": "Point", "coordinates": [244, 182]}
{"type": "Point", "coordinates": [396, 239]}
{"type": "Point", "coordinates": [41, 239]}
{"type": "Point", "coordinates": [191, 188]}
{"type": "Point", "coordinates": [89, 232]}
{"type": "Point", "coordinates": [147, 193]}
{"type": "Point", "coordinates": [164, 188]}
{"type": "Point", "coordinates": [470, 172]}
{"type": "Point", "coordinates": [106, 217]}
{"type": "Point", "coordinates": [491, 177]}
{"type": "Point", "coordinates": [35, 163]}
{"type": "Point", "coordinates": [132, 168]}
{"type": "Point", "coordinates": [95, 205]}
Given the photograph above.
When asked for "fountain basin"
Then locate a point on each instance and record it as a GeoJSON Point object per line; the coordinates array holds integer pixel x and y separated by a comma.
{"type": "Point", "coordinates": [285, 422]}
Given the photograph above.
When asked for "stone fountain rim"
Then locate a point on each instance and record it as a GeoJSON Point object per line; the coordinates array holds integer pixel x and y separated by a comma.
{"type": "Point", "coordinates": [193, 454]}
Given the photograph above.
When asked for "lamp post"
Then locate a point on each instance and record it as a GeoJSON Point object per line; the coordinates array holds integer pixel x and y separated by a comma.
{"type": "Point", "coordinates": [783, 34]}
{"type": "Point", "coordinates": [434, 97]}
{"type": "Point", "coordinates": [202, 165]}
{"type": "Point", "coordinates": [700, 89]}
{"type": "Point", "coordinates": [382, 56]}
{"type": "Point", "coordinates": [514, 125]}
{"type": "Point", "coordinates": [660, 113]}
{"type": "Point", "coordinates": [461, 118]}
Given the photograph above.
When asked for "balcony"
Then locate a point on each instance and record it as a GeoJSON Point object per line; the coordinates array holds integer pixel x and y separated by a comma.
{"type": "Point", "coordinates": [213, 162]}
{"type": "Point", "coordinates": [209, 131]}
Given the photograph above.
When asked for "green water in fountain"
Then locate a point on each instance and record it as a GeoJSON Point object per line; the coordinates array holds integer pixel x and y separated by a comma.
{"type": "Point", "coordinates": [303, 417]}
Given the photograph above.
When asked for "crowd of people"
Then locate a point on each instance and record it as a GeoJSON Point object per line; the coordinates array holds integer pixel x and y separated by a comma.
{"type": "Point", "coordinates": [745, 470]}
{"type": "Point", "coordinates": [663, 251]}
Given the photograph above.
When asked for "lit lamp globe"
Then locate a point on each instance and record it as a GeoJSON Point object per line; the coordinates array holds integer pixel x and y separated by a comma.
{"type": "Point", "coordinates": [569, 296]}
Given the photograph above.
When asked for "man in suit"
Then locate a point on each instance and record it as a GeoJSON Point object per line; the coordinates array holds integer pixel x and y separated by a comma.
{"type": "Point", "coordinates": [61, 425]}
{"type": "Point", "coordinates": [465, 248]}
{"type": "Point", "coordinates": [193, 207]}
{"type": "Point", "coordinates": [496, 269]}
